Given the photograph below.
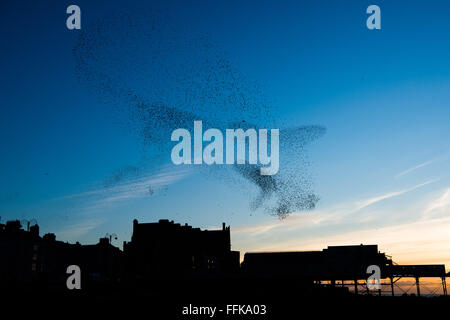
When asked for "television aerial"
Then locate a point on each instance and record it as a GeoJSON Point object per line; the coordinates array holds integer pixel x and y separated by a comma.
{"type": "Point", "coordinates": [26, 224]}
{"type": "Point", "coordinates": [111, 237]}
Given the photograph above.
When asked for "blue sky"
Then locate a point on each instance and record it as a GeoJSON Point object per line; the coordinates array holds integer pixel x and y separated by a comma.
{"type": "Point", "coordinates": [381, 170]}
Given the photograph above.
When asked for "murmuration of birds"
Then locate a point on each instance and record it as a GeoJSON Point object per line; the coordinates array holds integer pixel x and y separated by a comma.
{"type": "Point", "coordinates": [161, 76]}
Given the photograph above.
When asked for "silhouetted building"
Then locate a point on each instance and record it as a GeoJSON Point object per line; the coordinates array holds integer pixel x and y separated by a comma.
{"type": "Point", "coordinates": [333, 263]}
{"type": "Point", "coordinates": [26, 257]}
{"type": "Point", "coordinates": [98, 262]}
{"type": "Point", "coordinates": [18, 252]}
{"type": "Point", "coordinates": [168, 248]}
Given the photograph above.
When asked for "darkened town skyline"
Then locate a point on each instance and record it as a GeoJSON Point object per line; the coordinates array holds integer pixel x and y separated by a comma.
{"type": "Point", "coordinates": [170, 250]}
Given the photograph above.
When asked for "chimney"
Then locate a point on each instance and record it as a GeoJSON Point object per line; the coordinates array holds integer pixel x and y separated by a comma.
{"type": "Point", "coordinates": [103, 241]}
{"type": "Point", "coordinates": [34, 230]}
{"type": "Point", "coordinates": [49, 237]}
{"type": "Point", "coordinates": [223, 226]}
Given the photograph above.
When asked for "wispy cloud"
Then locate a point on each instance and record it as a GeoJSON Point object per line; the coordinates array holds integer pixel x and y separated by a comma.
{"type": "Point", "coordinates": [143, 186]}
{"type": "Point", "coordinates": [331, 215]}
{"type": "Point", "coordinates": [421, 165]}
{"type": "Point", "coordinates": [76, 230]}
{"type": "Point", "coordinates": [258, 228]}
{"type": "Point", "coordinates": [367, 202]}
{"type": "Point", "coordinates": [439, 205]}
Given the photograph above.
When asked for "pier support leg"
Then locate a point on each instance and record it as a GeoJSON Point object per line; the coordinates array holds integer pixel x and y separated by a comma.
{"type": "Point", "coordinates": [392, 285]}
{"type": "Point", "coordinates": [418, 286]}
{"type": "Point", "coordinates": [444, 286]}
